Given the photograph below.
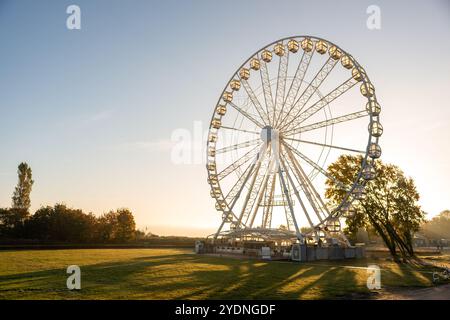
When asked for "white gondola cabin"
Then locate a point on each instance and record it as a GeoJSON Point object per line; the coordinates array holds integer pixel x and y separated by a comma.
{"type": "Point", "coordinates": [359, 192]}
{"type": "Point", "coordinates": [216, 123]}
{"type": "Point", "coordinates": [373, 108]}
{"type": "Point", "coordinates": [347, 62]}
{"type": "Point", "coordinates": [213, 179]}
{"type": "Point", "coordinates": [335, 53]}
{"type": "Point", "coordinates": [374, 150]}
{"type": "Point", "coordinates": [221, 205]}
{"type": "Point", "coordinates": [333, 225]}
{"type": "Point", "coordinates": [235, 85]}
{"type": "Point", "coordinates": [211, 152]}
{"type": "Point", "coordinates": [376, 129]}
{"type": "Point", "coordinates": [227, 96]}
{"type": "Point", "coordinates": [215, 192]}
{"type": "Point", "coordinates": [293, 46]}
{"type": "Point", "coordinates": [350, 212]}
{"type": "Point", "coordinates": [307, 44]}
{"type": "Point", "coordinates": [356, 74]}
{"type": "Point", "coordinates": [266, 55]}
{"type": "Point", "coordinates": [369, 172]}
{"type": "Point", "coordinates": [244, 73]}
{"type": "Point", "coordinates": [369, 91]}
{"type": "Point", "coordinates": [279, 49]}
{"type": "Point", "coordinates": [255, 64]}
{"type": "Point", "coordinates": [321, 47]}
{"type": "Point", "coordinates": [212, 137]}
{"type": "Point", "coordinates": [221, 110]}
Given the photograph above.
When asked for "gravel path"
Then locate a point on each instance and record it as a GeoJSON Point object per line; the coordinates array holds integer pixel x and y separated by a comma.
{"type": "Point", "coordinates": [435, 293]}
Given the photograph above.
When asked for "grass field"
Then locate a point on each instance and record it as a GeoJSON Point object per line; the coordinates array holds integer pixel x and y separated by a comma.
{"type": "Point", "coordinates": [180, 274]}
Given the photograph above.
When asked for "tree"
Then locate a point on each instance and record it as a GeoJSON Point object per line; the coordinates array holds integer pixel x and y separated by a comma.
{"type": "Point", "coordinates": [389, 208]}
{"type": "Point", "coordinates": [438, 227]}
{"type": "Point", "coordinates": [60, 223]}
{"type": "Point", "coordinates": [126, 226]}
{"type": "Point", "coordinates": [21, 197]}
{"type": "Point", "coordinates": [117, 226]}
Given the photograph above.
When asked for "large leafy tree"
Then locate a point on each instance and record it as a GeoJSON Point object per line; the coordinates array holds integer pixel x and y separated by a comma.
{"type": "Point", "coordinates": [389, 208]}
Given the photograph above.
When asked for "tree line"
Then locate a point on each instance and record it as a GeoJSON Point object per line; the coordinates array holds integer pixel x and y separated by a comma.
{"type": "Point", "coordinates": [59, 223]}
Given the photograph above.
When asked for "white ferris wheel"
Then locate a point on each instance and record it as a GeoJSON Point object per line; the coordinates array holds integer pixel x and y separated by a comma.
{"type": "Point", "coordinates": [291, 109]}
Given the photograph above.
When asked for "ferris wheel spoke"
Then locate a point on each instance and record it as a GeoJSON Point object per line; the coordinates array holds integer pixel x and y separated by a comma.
{"type": "Point", "coordinates": [296, 83]}
{"type": "Point", "coordinates": [267, 89]}
{"type": "Point", "coordinates": [237, 146]}
{"type": "Point", "coordinates": [234, 194]}
{"type": "Point", "coordinates": [285, 190]}
{"type": "Point", "coordinates": [252, 191]}
{"type": "Point", "coordinates": [281, 84]}
{"type": "Point", "coordinates": [237, 164]}
{"type": "Point", "coordinates": [319, 105]}
{"type": "Point", "coordinates": [289, 222]}
{"type": "Point", "coordinates": [246, 114]}
{"type": "Point", "coordinates": [324, 145]}
{"type": "Point", "coordinates": [251, 94]}
{"type": "Point", "coordinates": [305, 188]}
{"type": "Point", "coordinates": [316, 166]}
{"type": "Point", "coordinates": [329, 122]}
{"type": "Point", "coordinates": [260, 193]}
{"type": "Point", "coordinates": [305, 211]}
{"type": "Point", "coordinates": [268, 198]}
{"type": "Point", "coordinates": [284, 197]}
{"type": "Point", "coordinates": [313, 196]}
{"type": "Point", "coordinates": [239, 129]}
{"type": "Point", "coordinates": [308, 92]}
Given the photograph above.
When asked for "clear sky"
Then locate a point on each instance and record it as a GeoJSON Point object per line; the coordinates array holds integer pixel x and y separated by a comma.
{"type": "Point", "coordinates": [93, 110]}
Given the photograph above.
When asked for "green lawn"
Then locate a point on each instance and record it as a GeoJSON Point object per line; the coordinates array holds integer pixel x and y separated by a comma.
{"type": "Point", "coordinates": [180, 274]}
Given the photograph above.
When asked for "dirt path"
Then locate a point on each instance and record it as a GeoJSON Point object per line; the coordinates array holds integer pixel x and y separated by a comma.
{"type": "Point", "coordinates": [435, 293]}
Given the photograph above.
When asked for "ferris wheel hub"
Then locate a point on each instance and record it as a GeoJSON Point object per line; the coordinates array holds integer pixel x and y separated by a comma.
{"type": "Point", "coordinates": [269, 134]}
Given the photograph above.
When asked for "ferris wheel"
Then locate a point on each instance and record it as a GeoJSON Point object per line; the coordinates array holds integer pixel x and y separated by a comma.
{"type": "Point", "coordinates": [289, 111]}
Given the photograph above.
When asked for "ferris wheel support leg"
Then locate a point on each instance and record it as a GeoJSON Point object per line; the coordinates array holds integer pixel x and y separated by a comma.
{"type": "Point", "coordinates": [218, 231]}
{"type": "Point", "coordinates": [345, 239]}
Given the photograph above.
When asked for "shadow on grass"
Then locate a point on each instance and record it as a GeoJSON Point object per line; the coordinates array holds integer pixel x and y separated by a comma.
{"type": "Point", "coordinates": [188, 276]}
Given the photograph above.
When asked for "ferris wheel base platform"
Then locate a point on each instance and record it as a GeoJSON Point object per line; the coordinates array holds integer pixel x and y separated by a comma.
{"type": "Point", "coordinates": [303, 253]}
{"type": "Point", "coordinates": [268, 251]}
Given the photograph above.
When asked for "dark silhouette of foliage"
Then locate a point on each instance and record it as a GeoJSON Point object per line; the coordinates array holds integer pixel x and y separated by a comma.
{"type": "Point", "coordinates": [60, 223]}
